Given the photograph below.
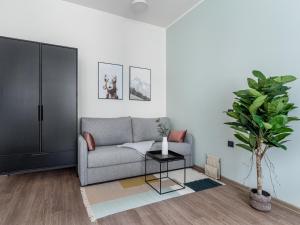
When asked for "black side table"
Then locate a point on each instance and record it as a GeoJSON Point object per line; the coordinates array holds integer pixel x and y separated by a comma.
{"type": "Point", "coordinates": [158, 157]}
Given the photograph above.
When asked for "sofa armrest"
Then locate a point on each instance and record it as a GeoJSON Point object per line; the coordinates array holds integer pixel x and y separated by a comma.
{"type": "Point", "coordinates": [82, 160]}
{"type": "Point", "coordinates": [188, 139]}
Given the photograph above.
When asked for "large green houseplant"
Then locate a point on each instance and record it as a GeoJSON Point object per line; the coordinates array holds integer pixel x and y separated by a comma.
{"type": "Point", "coordinates": [261, 122]}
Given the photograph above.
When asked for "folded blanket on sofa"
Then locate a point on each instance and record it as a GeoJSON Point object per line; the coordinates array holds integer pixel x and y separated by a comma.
{"type": "Point", "coordinates": [141, 147]}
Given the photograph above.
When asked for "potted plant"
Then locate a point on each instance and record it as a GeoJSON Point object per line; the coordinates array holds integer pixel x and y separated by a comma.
{"type": "Point", "coordinates": [261, 115]}
{"type": "Point", "coordinates": [163, 131]}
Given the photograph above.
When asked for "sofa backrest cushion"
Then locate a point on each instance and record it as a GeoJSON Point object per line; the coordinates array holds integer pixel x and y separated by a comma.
{"type": "Point", "coordinates": [145, 129]}
{"type": "Point", "coordinates": [108, 131]}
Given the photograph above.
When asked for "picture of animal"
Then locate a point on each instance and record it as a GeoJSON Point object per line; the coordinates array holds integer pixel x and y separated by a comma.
{"type": "Point", "coordinates": [110, 87]}
{"type": "Point", "coordinates": [110, 81]}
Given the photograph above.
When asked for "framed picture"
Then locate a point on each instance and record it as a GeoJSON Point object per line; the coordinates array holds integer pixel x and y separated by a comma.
{"type": "Point", "coordinates": [110, 81]}
{"type": "Point", "coordinates": [139, 84]}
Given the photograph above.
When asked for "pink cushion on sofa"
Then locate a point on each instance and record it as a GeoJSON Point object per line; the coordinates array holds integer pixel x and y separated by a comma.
{"type": "Point", "coordinates": [90, 141]}
{"type": "Point", "coordinates": [177, 136]}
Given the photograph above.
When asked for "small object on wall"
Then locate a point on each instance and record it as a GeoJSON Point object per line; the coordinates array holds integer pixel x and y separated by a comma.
{"type": "Point", "coordinates": [139, 84]}
{"type": "Point", "coordinates": [110, 81]}
{"type": "Point", "coordinates": [230, 144]}
{"type": "Point", "coordinates": [213, 166]}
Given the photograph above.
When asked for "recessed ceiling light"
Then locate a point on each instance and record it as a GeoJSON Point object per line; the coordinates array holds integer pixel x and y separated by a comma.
{"type": "Point", "coordinates": [139, 5]}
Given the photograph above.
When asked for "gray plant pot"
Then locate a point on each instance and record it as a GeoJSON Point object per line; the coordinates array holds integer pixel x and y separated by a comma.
{"type": "Point", "coordinates": [260, 202]}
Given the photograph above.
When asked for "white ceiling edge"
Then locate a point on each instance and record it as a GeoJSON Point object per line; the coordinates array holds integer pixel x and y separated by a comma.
{"type": "Point", "coordinates": [138, 21]}
{"type": "Point", "coordinates": [184, 14]}
{"type": "Point", "coordinates": [115, 15]}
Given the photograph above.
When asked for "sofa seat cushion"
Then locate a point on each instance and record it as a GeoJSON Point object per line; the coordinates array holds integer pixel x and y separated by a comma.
{"type": "Point", "coordinates": [180, 148]}
{"type": "Point", "coordinates": [145, 129]}
{"type": "Point", "coordinates": [108, 131]}
{"type": "Point", "coordinates": [112, 155]}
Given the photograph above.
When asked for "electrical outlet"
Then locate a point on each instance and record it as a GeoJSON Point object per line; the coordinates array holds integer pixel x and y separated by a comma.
{"type": "Point", "coordinates": [230, 144]}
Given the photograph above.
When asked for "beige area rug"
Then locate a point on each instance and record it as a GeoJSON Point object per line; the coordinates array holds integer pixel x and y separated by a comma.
{"type": "Point", "coordinates": [109, 198]}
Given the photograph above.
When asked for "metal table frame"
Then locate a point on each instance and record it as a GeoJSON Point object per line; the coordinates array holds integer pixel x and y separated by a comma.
{"type": "Point", "coordinates": [170, 158]}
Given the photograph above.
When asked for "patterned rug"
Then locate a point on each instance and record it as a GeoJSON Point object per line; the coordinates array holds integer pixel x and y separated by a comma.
{"type": "Point", "coordinates": [106, 199]}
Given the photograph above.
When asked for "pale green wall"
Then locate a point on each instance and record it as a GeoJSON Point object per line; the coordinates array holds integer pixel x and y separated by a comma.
{"type": "Point", "coordinates": [210, 52]}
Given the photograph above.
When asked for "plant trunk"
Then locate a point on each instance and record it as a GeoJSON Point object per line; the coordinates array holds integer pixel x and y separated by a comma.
{"type": "Point", "coordinates": [259, 173]}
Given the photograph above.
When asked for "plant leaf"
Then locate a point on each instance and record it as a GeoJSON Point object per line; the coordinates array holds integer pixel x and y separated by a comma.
{"type": "Point", "coordinates": [247, 147]}
{"type": "Point", "coordinates": [243, 119]}
{"type": "Point", "coordinates": [259, 101]}
{"type": "Point", "coordinates": [282, 142]}
{"type": "Point", "coordinates": [241, 93]}
{"type": "Point", "coordinates": [259, 75]}
{"type": "Point", "coordinates": [243, 138]}
{"type": "Point", "coordinates": [252, 140]}
{"type": "Point", "coordinates": [267, 126]}
{"type": "Point", "coordinates": [258, 120]}
{"type": "Point", "coordinates": [276, 144]}
{"type": "Point", "coordinates": [239, 129]}
{"type": "Point", "coordinates": [232, 114]}
{"type": "Point", "coordinates": [233, 123]}
{"type": "Point", "coordinates": [282, 136]}
{"type": "Point", "coordinates": [252, 83]}
{"type": "Point", "coordinates": [278, 104]}
{"type": "Point", "coordinates": [254, 92]}
{"type": "Point", "coordinates": [293, 118]}
{"type": "Point", "coordinates": [278, 121]}
{"type": "Point", "coordinates": [282, 130]}
{"type": "Point", "coordinates": [285, 79]}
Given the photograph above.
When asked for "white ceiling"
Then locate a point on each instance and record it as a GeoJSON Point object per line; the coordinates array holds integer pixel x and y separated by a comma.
{"type": "Point", "coordinates": [160, 12]}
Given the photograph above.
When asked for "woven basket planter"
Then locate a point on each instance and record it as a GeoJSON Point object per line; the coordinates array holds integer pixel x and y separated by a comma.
{"type": "Point", "coordinates": [260, 202]}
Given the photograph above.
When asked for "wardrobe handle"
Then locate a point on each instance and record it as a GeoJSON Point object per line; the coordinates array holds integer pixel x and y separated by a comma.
{"type": "Point", "coordinates": [39, 113]}
{"type": "Point", "coordinates": [42, 112]}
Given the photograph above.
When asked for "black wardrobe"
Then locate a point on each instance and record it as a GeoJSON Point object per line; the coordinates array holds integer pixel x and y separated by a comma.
{"type": "Point", "coordinates": [38, 105]}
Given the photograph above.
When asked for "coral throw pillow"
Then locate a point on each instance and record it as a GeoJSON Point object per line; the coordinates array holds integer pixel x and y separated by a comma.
{"type": "Point", "coordinates": [89, 140]}
{"type": "Point", "coordinates": [177, 136]}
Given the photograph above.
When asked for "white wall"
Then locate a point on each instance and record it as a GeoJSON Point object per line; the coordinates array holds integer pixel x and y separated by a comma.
{"type": "Point", "coordinates": [210, 53]}
{"type": "Point", "coordinates": [98, 36]}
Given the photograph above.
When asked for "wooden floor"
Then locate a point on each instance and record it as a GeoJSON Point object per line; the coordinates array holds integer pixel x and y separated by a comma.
{"type": "Point", "coordinates": [53, 198]}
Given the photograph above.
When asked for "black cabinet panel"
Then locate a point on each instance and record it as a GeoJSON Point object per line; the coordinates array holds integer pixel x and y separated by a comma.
{"type": "Point", "coordinates": [20, 162]}
{"type": "Point", "coordinates": [59, 99]}
{"type": "Point", "coordinates": [19, 97]}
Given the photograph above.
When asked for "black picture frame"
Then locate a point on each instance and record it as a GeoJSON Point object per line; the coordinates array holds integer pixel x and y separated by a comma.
{"type": "Point", "coordinates": [122, 75]}
{"type": "Point", "coordinates": [150, 79]}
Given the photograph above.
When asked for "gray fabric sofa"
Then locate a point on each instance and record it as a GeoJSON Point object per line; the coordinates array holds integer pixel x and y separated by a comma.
{"type": "Point", "coordinates": [109, 162]}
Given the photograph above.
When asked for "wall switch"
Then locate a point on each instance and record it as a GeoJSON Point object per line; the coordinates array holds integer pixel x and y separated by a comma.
{"type": "Point", "coordinates": [230, 144]}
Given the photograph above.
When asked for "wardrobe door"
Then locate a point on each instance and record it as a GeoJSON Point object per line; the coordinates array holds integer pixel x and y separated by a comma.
{"type": "Point", "coordinates": [59, 100]}
{"type": "Point", "coordinates": [19, 100]}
